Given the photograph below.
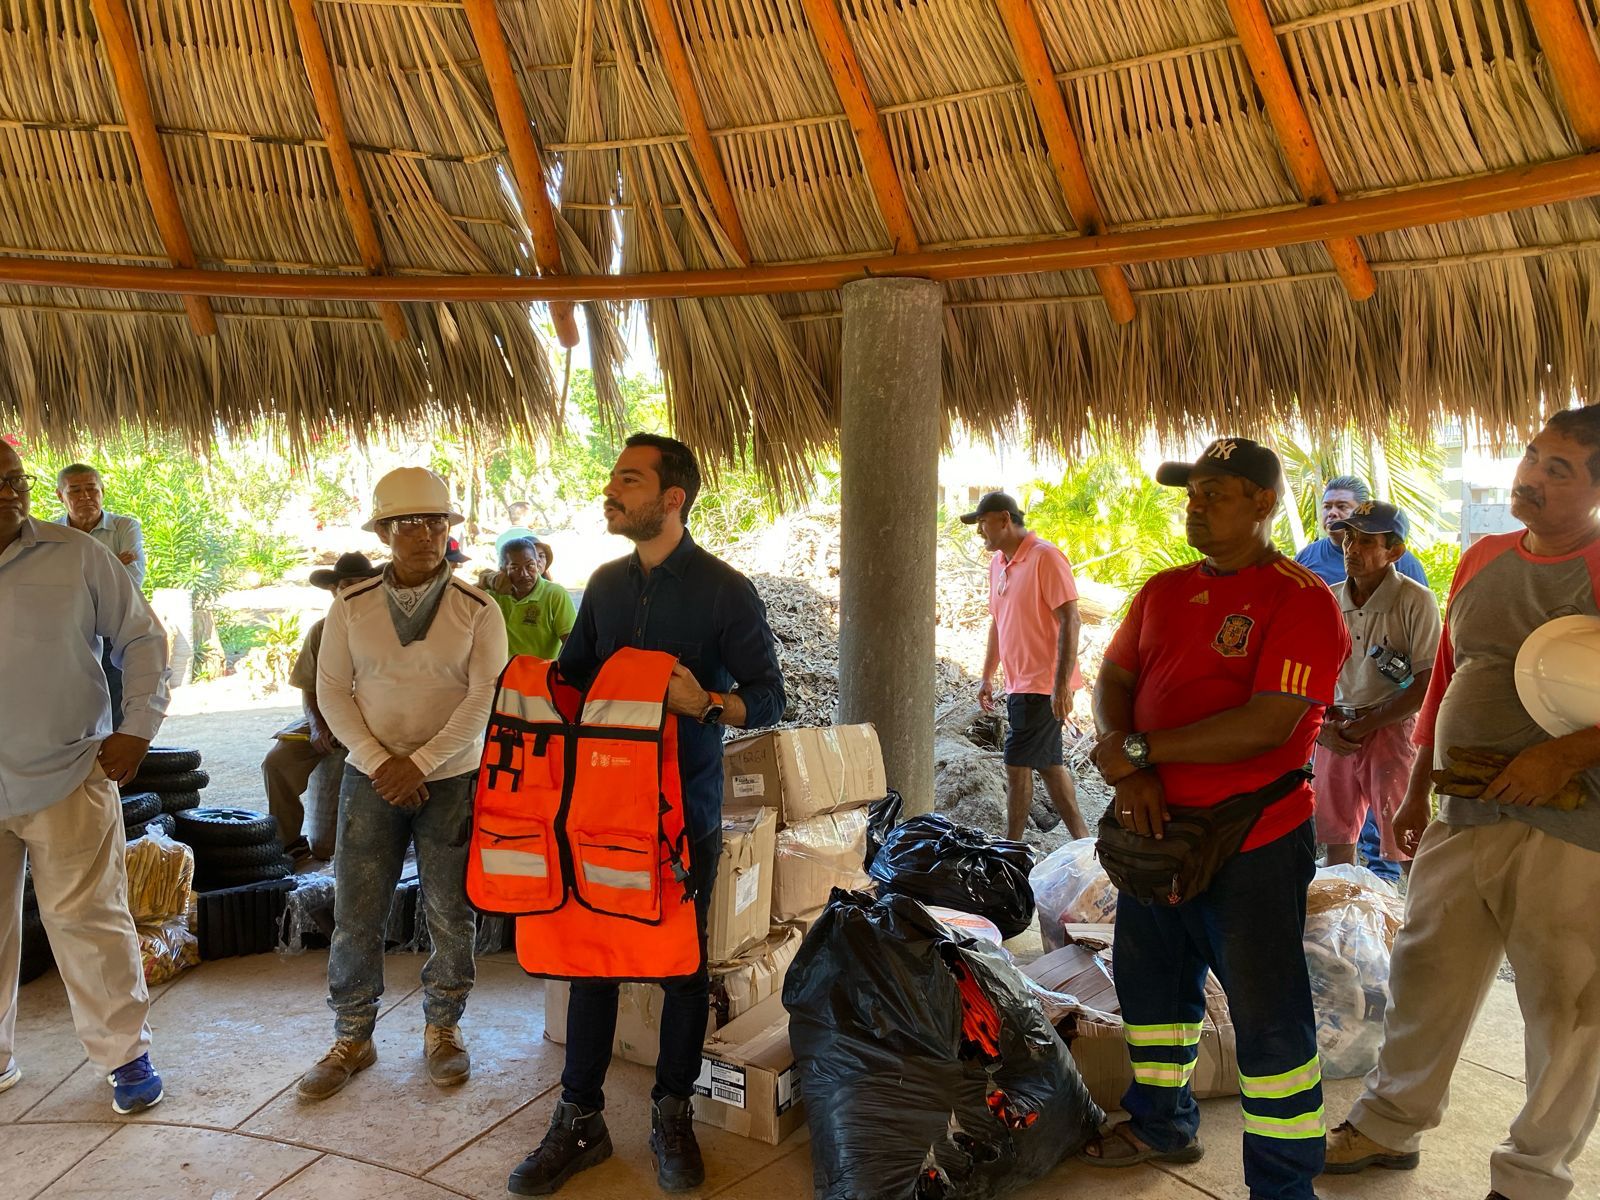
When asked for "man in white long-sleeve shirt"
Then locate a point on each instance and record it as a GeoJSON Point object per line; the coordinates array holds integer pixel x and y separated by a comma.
{"type": "Point", "coordinates": [405, 680]}
{"type": "Point", "coordinates": [63, 596]}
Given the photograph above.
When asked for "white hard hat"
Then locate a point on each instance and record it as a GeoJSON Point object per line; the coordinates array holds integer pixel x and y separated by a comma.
{"type": "Point", "coordinates": [1558, 675]}
{"type": "Point", "coordinates": [409, 492]}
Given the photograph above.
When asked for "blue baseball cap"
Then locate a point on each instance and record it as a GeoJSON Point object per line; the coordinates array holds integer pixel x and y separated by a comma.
{"type": "Point", "coordinates": [1374, 516]}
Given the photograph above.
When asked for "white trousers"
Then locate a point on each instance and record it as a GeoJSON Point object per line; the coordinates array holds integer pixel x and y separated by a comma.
{"type": "Point", "coordinates": [1476, 893]}
{"type": "Point", "coordinates": [80, 875]}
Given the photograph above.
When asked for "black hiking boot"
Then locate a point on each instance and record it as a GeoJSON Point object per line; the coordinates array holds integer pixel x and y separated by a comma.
{"type": "Point", "coordinates": [679, 1166]}
{"type": "Point", "coordinates": [576, 1141]}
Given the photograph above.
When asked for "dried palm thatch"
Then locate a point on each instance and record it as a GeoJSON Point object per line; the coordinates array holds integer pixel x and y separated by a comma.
{"type": "Point", "coordinates": [1493, 318]}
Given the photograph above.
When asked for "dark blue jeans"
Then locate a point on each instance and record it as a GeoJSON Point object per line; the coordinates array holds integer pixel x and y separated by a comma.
{"type": "Point", "coordinates": [1372, 851]}
{"type": "Point", "coordinates": [592, 1012]}
{"type": "Point", "coordinates": [1246, 927]}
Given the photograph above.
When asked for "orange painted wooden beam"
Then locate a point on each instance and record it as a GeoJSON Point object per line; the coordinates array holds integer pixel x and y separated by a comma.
{"type": "Point", "coordinates": [352, 193]}
{"type": "Point", "coordinates": [122, 52]}
{"type": "Point", "coordinates": [1288, 116]}
{"type": "Point", "coordinates": [1061, 142]}
{"type": "Point", "coordinates": [675, 61]}
{"type": "Point", "coordinates": [527, 167]}
{"type": "Point", "coordinates": [827, 27]}
{"type": "Point", "coordinates": [1516, 188]}
{"type": "Point", "coordinates": [1564, 38]}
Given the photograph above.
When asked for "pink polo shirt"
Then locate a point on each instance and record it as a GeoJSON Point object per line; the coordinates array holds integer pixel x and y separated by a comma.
{"type": "Point", "coordinates": [1023, 597]}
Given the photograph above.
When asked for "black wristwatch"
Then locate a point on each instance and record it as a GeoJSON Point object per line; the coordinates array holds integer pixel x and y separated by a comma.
{"type": "Point", "coordinates": [713, 712]}
{"type": "Point", "coordinates": [1136, 749]}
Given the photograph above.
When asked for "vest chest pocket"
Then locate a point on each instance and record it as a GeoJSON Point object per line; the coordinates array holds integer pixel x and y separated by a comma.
{"type": "Point", "coordinates": [618, 873]}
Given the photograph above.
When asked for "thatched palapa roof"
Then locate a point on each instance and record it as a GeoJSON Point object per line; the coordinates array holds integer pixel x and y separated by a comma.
{"type": "Point", "coordinates": [1144, 212]}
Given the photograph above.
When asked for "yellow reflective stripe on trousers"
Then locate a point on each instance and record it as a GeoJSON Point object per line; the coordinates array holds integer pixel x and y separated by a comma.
{"type": "Point", "coordinates": [1162, 1035]}
{"type": "Point", "coordinates": [1307, 1125]}
{"type": "Point", "coordinates": [1277, 1087]}
{"type": "Point", "coordinates": [634, 714]}
{"type": "Point", "coordinates": [1163, 1074]}
{"type": "Point", "coordinates": [534, 709]}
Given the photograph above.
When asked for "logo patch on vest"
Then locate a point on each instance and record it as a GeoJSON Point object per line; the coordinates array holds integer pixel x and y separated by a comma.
{"type": "Point", "coordinates": [599, 759]}
{"type": "Point", "coordinates": [1233, 639]}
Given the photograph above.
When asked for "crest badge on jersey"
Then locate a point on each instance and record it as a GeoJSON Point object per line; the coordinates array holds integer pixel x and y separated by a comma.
{"type": "Point", "coordinates": [1233, 639]}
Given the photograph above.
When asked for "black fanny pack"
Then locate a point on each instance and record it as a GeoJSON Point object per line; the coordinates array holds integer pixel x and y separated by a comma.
{"type": "Point", "coordinates": [1196, 843]}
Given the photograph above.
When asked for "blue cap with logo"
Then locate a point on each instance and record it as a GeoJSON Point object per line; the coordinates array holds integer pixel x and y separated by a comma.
{"type": "Point", "coordinates": [1374, 516]}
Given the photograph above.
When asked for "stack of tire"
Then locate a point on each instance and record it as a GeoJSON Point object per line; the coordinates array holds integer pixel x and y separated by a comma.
{"type": "Point", "coordinates": [173, 774]}
{"type": "Point", "coordinates": [233, 847]}
{"type": "Point", "coordinates": [37, 957]}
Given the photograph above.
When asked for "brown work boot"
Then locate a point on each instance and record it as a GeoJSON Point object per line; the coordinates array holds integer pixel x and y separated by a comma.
{"type": "Point", "coordinates": [347, 1057]}
{"type": "Point", "coordinates": [448, 1063]}
{"type": "Point", "coordinates": [1350, 1150]}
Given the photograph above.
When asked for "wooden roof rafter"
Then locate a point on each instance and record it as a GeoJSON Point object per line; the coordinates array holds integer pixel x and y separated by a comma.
{"type": "Point", "coordinates": [352, 192]}
{"type": "Point", "coordinates": [1061, 143]}
{"type": "Point", "coordinates": [850, 81]}
{"type": "Point", "coordinates": [1568, 49]}
{"type": "Point", "coordinates": [1259, 43]}
{"type": "Point", "coordinates": [675, 62]}
{"type": "Point", "coordinates": [527, 164]}
{"type": "Point", "coordinates": [122, 53]}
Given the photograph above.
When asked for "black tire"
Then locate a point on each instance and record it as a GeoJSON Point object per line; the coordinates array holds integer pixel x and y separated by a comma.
{"type": "Point", "coordinates": [37, 957]}
{"type": "Point", "coordinates": [225, 827]}
{"type": "Point", "coordinates": [179, 781]}
{"type": "Point", "coordinates": [161, 823]}
{"type": "Point", "coordinates": [30, 902]}
{"type": "Point", "coordinates": [139, 807]}
{"type": "Point", "coordinates": [239, 858]}
{"type": "Point", "coordinates": [169, 760]}
{"type": "Point", "coordinates": [176, 802]}
{"type": "Point", "coordinates": [216, 880]}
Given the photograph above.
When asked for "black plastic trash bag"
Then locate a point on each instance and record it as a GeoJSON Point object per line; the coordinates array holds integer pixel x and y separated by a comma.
{"type": "Point", "coordinates": [932, 859]}
{"type": "Point", "coordinates": [929, 1070]}
{"type": "Point", "coordinates": [881, 818]}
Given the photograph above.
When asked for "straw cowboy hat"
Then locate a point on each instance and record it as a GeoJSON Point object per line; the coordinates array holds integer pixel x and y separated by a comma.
{"type": "Point", "coordinates": [411, 492]}
{"type": "Point", "coordinates": [353, 565]}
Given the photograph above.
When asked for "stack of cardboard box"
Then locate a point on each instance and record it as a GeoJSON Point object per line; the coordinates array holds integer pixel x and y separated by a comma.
{"type": "Point", "coordinates": [794, 828]}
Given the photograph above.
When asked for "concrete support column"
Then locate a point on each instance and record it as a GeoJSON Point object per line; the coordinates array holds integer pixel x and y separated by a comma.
{"type": "Point", "coordinates": [889, 425]}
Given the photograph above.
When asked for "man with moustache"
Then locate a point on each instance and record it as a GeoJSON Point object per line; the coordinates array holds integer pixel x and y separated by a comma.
{"type": "Point", "coordinates": [62, 597]}
{"type": "Point", "coordinates": [1505, 874]}
{"type": "Point", "coordinates": [1033, 634]}
{"type": "Point", "coordinates": [1214, 687]}
{"type": "Point", "coordinates": [669, 595]}
{"type": "Point", "coordinates": [82, 496]}
{"type": "Point", "coordinates": [405, 680]}
{"type": "Point", "coordinates": [1325, 556]}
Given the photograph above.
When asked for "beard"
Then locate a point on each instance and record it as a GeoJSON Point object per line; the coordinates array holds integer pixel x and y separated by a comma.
{"type": "Point", "coordinates": [642, 523]}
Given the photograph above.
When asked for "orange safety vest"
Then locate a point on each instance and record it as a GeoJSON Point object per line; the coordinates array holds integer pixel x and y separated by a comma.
{"type": "Point", "coordinates": [578, 826]}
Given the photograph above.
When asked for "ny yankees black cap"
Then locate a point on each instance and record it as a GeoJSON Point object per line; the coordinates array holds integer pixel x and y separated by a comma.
{"type": "Point", "coordinates": [1232, 456]}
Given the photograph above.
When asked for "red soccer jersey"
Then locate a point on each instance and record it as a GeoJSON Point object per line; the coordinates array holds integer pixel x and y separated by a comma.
{"type": "Point", "coordinates": [1200, 643]}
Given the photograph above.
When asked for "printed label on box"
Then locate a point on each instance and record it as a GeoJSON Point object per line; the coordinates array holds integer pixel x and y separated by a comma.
{"type": "Point", "coordinates": [721, 1081]}
{"type": "Point", "coordinates": [788, 1089]}
{"type": "Point", "coordinates": [747, 890]}
{"type": "Point", "coordinates": [749, 785]}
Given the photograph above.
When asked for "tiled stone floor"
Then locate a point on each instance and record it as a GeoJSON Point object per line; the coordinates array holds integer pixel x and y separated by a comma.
{"type": "Point", "coordinates": [232, 1037]}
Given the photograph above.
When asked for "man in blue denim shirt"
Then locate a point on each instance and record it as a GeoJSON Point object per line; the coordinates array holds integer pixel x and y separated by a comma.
{"type": "Point", "coordinates": [669, 595]}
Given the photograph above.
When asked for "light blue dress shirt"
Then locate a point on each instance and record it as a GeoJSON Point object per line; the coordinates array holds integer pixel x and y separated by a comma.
{"type": "Point", "coordinates": [61, 593]}
{"type": "Point", "coordinates": [121, 535]}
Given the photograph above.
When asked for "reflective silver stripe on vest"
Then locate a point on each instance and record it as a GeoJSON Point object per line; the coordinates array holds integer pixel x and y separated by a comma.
{"type": "Point", "coordinates": [513, 862]}
{"type": "Point", "coordinates": [612, 878]}
{"type": "Point", "coordinates": [634, 714]}
{"type": "Point", "coordinates": [534, 709]}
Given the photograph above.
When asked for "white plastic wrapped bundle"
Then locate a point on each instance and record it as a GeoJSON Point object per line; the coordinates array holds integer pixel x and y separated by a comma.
{"type": "Point", "coordinates": [1071, 888]}
{"type": "Point", "coordinates": [1351, 919]}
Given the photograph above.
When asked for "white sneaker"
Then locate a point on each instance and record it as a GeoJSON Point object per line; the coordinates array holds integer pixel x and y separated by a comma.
{"type": "Point", "coordinates": [11, 1076]}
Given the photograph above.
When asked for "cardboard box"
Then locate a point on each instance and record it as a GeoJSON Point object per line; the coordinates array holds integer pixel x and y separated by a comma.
{"type": "Point", "coordinates": [812, 858]}
{"type": "Point", "coordinates": [741, 900]}
{"type": "Point", "coordinates": [638, 1037]}
{"type": "Point", "coordinates": [804, 773]}
{"type": "Point", "coordinates": [740, 985]}
{"type": "Point", "coordinates": [1091, 1022]}
{"type": "Point", "coordinates": [749, 1083]}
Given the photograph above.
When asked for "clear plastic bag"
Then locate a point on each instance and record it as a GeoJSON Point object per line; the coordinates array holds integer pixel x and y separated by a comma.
{"type": "Point", "coordinates": [1352, 917]}
{"type": "Point", "coordinates": [167, 949]}
{"type": "Point", "coordinates": [1071, 888]}
{"type": "Point", "coordinates": [160, 878]}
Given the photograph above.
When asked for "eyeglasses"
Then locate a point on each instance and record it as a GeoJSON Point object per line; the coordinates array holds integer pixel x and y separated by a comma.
{"type": "Point", "coordinates": [20, 484]}
{"type": "Point", "coordinates": [430, 525]}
